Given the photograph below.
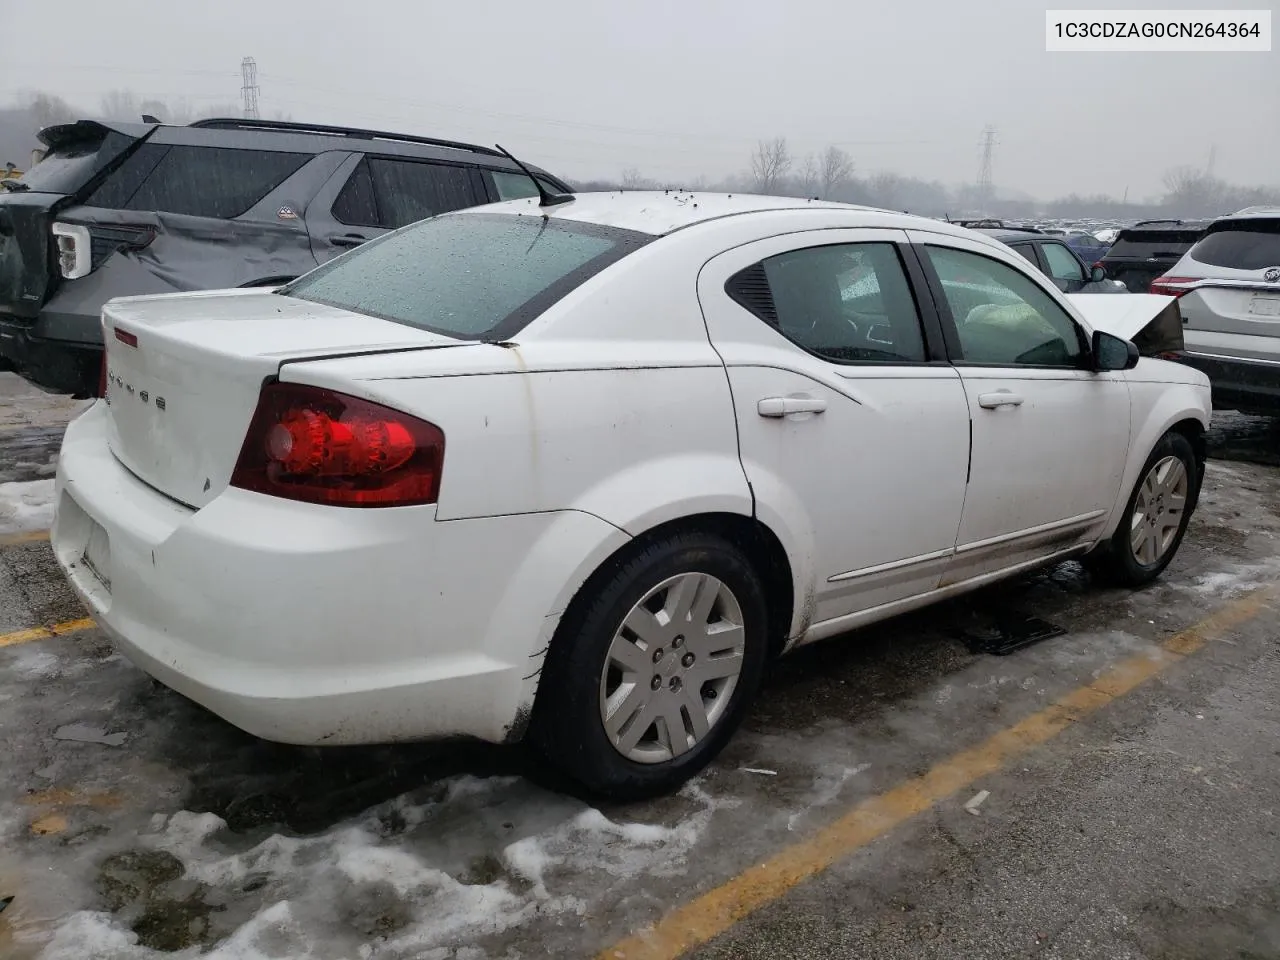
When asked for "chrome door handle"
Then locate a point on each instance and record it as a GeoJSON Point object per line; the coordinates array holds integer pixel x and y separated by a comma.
{"type": "Point", "coordinates": [1001, 398]}
{"type": "Point", "coordinates": [785, 406]}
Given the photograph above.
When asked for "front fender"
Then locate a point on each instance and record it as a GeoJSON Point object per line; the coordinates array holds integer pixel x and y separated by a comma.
{"type": "Point", "coordinates": [1156, 407]}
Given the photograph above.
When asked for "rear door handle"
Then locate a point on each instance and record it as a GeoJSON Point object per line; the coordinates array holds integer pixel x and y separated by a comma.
{"type": "Point", "coordinates": [1001, 398]}
{"type": "Point", "coordinates": [348, 240]}
{"type": "Point", "coordinates": [784, 406]}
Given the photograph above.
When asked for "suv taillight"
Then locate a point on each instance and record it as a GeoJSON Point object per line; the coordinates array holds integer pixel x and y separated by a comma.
{"type": "Point", "coordinates": [75, 250]}
{"type": "Point", "coordinates": [320, 446]}
{"type": "Point", "coordinates": [1171, 286]}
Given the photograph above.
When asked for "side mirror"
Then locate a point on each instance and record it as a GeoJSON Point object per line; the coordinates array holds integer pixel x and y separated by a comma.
{"type": "Point", "coordinates": [1112, 353]}
{"type": "Point", "coordinates": [1097, 273]}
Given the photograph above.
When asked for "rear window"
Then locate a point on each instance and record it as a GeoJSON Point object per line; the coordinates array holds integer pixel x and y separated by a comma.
{"type": "Point", "coordinates": [1244, 245]}
{"type": "Point", "coordinates": [68, 166]}
{"type": "Point", "coordinates": [216, 182]}
{"type": "Point", "coordinates": [472, 276]}
{"type": "Point", "coordinates": [1160, 244]}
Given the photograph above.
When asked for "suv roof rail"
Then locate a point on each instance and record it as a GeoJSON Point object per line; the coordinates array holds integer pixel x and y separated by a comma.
{"type": "Point", "coordinates": [285, 126]}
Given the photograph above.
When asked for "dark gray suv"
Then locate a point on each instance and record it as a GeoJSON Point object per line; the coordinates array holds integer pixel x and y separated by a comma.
{"type": "Point", "coordinates": [121, 209]}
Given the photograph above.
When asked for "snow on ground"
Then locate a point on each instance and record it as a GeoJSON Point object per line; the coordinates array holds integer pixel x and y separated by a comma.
{"type": "Point", "coordinates": [394, 865]}
{"type": "Point", "coordinates": [26, 506]}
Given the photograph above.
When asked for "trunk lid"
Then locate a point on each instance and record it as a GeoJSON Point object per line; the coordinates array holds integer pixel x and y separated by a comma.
{"type": "Point", "coordinates": [77, 153]}
{"type": "Point", "coordinates": [184, 372]}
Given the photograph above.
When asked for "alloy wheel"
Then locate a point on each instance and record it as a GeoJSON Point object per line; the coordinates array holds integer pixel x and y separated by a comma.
{"type": "Point", "coordinates": [1158, 510]}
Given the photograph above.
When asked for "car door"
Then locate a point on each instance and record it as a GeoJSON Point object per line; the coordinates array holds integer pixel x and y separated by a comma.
{"type": "Point", "coordinates": [853, 435]}
{"type": "Point", "coordinates": [370, 195]}
{"type": "Point", "coordinates": [1050, 436]}
{"type": "Point", "coordinates": [1063, 266]}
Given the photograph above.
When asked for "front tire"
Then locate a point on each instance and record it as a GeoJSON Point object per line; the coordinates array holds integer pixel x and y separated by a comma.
{"type": "Point", "coordinates": [653, 667]}
{"type": "Point", "coordinates": [1155, 516]}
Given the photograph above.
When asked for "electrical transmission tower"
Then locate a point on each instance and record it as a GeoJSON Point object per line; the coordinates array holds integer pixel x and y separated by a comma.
{"type": "Point", "coordinates": [986, 185]}
{"type": "Point", "coordinates": [249, 87]}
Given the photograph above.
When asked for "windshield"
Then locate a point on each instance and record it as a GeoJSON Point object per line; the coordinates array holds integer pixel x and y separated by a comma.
{"type": "Point", "coordinates": [469, 276]}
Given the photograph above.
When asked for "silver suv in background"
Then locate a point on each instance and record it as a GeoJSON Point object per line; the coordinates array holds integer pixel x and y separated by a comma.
{"type": "Point", "coordinates": [1228, 285]}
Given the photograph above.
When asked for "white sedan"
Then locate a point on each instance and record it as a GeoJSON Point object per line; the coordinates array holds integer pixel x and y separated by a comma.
{"type": "Point", "coordinates": [581, 471]}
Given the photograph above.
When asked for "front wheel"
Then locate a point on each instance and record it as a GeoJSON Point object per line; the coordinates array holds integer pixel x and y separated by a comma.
{"type": "Point", "coordinates": [653, 667]}
{"type": "Point", "coordinates": [1155, 517]}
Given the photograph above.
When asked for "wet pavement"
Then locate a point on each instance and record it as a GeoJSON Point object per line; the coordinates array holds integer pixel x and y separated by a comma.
{"type": "Point", "coordinates": [135, 824]}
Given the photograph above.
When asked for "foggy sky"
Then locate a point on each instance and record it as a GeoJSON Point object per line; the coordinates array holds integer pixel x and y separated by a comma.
{"type": "Point", "coordinates": [676, 89]}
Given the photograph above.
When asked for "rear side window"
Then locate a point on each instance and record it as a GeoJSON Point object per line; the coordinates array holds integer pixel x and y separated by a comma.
{"type": "Point", "coordinates": [1244, 245]}
{"type": "Point", "coordinates": [122, 183]}
{"type": "Point", "coordinates": [408, 191]}
{"type": "Point", "coordinates": [213, 181]}
{"type": "Point", "coordinates": [470, 276]}
{"type": "Point", "coordinates": [847, 303]}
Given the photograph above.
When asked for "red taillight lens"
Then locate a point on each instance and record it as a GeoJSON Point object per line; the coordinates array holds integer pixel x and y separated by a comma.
{"type": "Point", "coordinates": [308, 443]}
{"type": "Point", "coordinates": [1171, 286]}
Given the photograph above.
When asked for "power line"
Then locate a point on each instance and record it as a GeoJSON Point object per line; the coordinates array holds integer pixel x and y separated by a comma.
{"type": "Point", "coordinates": [249, 87]}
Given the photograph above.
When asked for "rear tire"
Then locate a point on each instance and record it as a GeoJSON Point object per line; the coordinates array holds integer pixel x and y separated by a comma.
{"type": "Point", "coordinates": [653, 667]}
{"type": "Point", "coordinates": [1155, 517]}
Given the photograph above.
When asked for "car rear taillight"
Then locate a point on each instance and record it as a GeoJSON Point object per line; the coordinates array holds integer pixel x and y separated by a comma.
{"type": "Point", "coordinates": [320, 446]}
{"type": "Point", "coordinates": [1172, 286]}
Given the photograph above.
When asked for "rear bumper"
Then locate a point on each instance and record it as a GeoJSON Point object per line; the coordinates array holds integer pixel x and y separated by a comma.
{"type": "Point", "coordinates": [61, 366]}
{"type": "Point", "coordinates": [1252, 386]}
{"type": "Point", "coordinates": [309, 624]}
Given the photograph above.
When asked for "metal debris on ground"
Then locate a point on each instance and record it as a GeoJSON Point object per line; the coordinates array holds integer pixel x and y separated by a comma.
{"type": "Point", "coordinates": [1006, 632]}
{"type": "Point", "coordinates": [767, 773]}
{"type": "Point", "coordinates": [83, 733]}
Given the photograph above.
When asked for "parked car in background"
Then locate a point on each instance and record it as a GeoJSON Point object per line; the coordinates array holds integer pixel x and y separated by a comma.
{"type": "Point", "coordinates": [581, 469]}
{"type": "Point", "coordinates": [118, 209]}
{"type": "Point", "coordinates": [1148, 249]}
{"type": "Point", "coordinates": [1086, 246]}
{"type": "Point", "coordinates": [1056, 259]}
{"type": "Point", "coordinates": [1228, 285]}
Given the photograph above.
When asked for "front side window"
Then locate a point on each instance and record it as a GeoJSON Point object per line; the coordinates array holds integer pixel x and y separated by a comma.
{"type": "Point", "coordinates": [847, 303]}
{"type": "Point", "coordinates": [1062, 263]}
{"type": "Point", "coordinates": [516, 186]}
{"type": "Point", "coordinates": [409, 190]}
{"type": "Point", "coordinates": [1002, 316]}
{"type": "Point", "coordinates": [468, 276]}
{"type": "Point", "coordinates": [217, 182]}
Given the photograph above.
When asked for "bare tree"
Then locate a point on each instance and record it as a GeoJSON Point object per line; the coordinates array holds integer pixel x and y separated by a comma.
{"type": "Point", "coordinates": [46, 109]}
{"type": "Point", "coordinates": [807, 180]}
{"type": "Point", "coordinates": [121, 105]}
{"type": "Point", "coordinates": [632, 179]}
{"type": "Point", "coordinates": [1191, 190]}
{"type": "Point", "coordinates": [769, 164]}
{"type": "Point", "coordinates": [836, 169]}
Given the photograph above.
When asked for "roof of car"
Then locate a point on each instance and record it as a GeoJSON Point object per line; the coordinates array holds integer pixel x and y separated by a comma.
{"type": "Point", "coordinates": [662, 212]}
{"type": "Point", "coordinates": [1249, 213]}
{"type": "Point", "coordinates": [1009, 234]}
{"type": "Point", "coordinates": [296, 137]}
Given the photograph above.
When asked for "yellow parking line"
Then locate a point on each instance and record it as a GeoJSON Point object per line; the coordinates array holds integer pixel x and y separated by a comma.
{"type": "Point", "coordinates": [44, 633]}
{"type": "Point", "coordinates": [30, 536]}
{"type": "Point", "coordinates": [717, 910]}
